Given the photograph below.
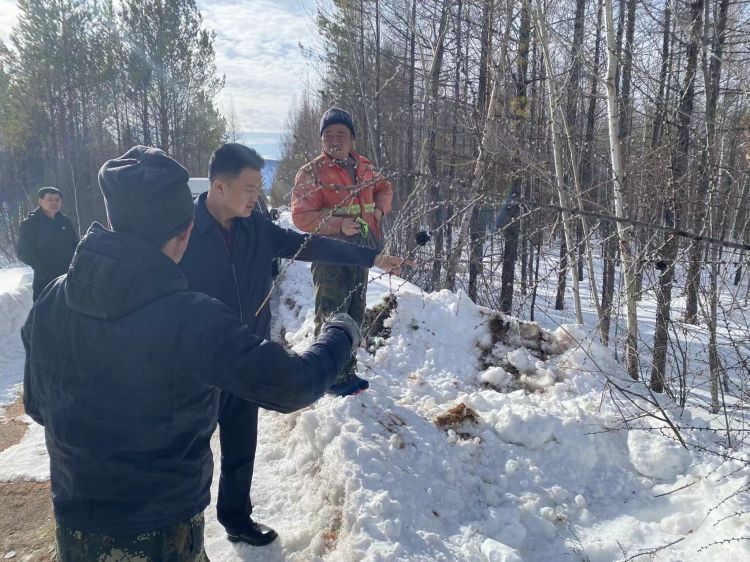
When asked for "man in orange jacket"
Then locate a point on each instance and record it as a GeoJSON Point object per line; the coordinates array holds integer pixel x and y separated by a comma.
{"type": "Point", "coordinates": [340, 194]}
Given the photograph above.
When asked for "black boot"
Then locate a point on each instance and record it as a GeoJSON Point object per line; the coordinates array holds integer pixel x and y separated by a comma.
{"type": "Point", "coordinates": [256, 534]}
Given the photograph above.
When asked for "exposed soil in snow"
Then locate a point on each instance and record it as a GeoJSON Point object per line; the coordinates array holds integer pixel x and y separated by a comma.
{"type": "Point", "coordinates": [12, 429]}
{"type": "Point", "coordinates": [27, 527]}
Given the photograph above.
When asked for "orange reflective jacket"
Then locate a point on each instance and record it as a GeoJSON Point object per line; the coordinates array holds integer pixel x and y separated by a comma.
{"type": "Point", "coordinates": [324, 195]}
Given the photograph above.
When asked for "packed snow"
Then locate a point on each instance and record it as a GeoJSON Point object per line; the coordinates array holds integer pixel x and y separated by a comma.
{"type": "Point", "coordinates": [28, 459]}
{"type": "Point", "coordinates": [15, 303]}
{"type": "Point", "coordinates": [481, 438]}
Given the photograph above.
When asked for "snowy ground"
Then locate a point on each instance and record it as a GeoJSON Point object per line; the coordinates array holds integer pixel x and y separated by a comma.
{"type": "Point", "coordinates": [687, 357]}
{"type": "Point", "coordinates": [15, 302]}
{"type": "Point", "coordinates": [537, 465]}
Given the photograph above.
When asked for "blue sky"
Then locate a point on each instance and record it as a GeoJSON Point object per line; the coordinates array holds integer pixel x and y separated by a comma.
{"type": "Point", "coordinates": [257, 48]}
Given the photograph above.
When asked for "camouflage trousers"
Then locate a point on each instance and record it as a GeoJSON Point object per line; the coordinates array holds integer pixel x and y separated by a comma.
{"type": "Point", "coordinates": [340, 289]}
{"type": "Point", "coordinates": [181, 542]}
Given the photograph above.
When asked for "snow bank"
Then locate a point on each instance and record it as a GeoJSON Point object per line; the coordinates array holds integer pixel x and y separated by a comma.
{"type": "Point", "coordinates": [655, 456]}
{"type": "Point", "coordinates": [493, 551]}
{"type": "Point", "coordinates": [15, 300]}
{"type": "Point", "coordinates": [481, 438]}
{"type": "Point", "coordinates": [15, 303]}
{"type": "Point", "coordinates": [28, 460]}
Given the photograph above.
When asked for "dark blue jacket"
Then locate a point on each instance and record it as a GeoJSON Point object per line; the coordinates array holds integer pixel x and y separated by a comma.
{"type": "Point", "coordinates": [123, 366]}
{"type": "Point", "coordinates": [47, 245]}
{"type": "Point", "coordinates": [243, 281]}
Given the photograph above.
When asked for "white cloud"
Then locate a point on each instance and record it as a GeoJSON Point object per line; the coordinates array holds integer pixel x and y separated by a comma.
{"type": "Point", "coordinates": [257, 48]}
{"type": "Point", "coordinates": [8, 14]}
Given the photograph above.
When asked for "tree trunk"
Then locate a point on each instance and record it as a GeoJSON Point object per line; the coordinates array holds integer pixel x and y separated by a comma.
{"type": "Point", "coordinates": [524, 227]}
{"type": "Point", "coordinates": [712, 79]}
{"type": "Point", "coordinates": [475, 255]}
{"type": "Point", "coordinates": [476, 249]}
{"type": "Point", "coordinates": [559, 125]}
{"type": "Point", "coordinates": [624, 233]}
{"type": "Point", "coordinates": [609, 252]}
{"type": "Point", "coordinates": [661, 104]}
{"type": "Point", "coordinates": [519, 117]}
{"type": "Point", "coordinates": [378, 116]}
{"type": "Point", "coordinates": [428, 157]}
{"type": "Point", "coordinates": [164, 132]}
{"type": "Point", "coordinates": [536, 277]}
{"type": "Point", "coordinates": [562, 275]}
{"type": "Point", "coordinates": [680, 162]}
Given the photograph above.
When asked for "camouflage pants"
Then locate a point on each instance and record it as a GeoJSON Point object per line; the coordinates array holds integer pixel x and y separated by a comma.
{"type": "Point", "coordinates": [340, 289]}
{"type": "Point", "coordinates": [181, 542]}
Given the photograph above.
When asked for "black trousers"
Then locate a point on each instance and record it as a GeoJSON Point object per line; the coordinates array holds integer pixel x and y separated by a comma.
{"type": "Point", "coordinates": [238, 436]}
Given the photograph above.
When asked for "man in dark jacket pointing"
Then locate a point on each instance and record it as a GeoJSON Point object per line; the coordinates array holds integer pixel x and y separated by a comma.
{"type": "Point", "coordinates": [124, 366]}
{"type": "Point", "coordinates": [230, 257]}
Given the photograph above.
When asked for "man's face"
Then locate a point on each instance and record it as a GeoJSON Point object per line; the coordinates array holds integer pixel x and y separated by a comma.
{"type": "Point", "coordinates": [240, 194]}
{"type": "Point", "coordinates": [50, 203]}
{"type": "Point", "coordinates": [337, 141]}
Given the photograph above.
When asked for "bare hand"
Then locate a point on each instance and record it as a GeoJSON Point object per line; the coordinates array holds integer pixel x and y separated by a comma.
{"type": "Point", "coordinates": [350, 227]}
{"type": "Point", "coordinates": [391, 264]}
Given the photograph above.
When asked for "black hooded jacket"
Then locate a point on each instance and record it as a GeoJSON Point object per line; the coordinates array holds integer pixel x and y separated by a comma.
{"type": "Point", "coordinates": [123, 366]}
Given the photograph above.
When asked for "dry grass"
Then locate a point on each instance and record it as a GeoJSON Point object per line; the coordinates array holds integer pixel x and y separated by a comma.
{"type": "Point", "coordinates": [456, 416]}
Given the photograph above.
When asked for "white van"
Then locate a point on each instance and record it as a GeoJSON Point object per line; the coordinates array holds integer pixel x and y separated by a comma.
{"type": "Point", "coordinates": [198, 186]}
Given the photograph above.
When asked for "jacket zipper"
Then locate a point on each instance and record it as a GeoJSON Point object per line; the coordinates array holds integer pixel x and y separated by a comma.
{"type": "Point", "coordinates": [237, 289]}
{"type": "Point", "coordinates": [234, 274]}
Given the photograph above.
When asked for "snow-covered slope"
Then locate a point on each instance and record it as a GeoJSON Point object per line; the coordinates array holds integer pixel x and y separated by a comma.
{"type": "Point", "coordinates": [481, 438]}
{"type": "Point", "coordinates": [15, 302]}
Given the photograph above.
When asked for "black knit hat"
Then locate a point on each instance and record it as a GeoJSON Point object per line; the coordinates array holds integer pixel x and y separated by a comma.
{"type": "Point", "coordinates": [146, 193]}
{"type": "Point", "coordinates": [337, 115]}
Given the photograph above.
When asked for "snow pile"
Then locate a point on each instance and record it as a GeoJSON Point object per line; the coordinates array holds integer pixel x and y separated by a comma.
{"type": "Point", "coordinates": [15, 300]}
{"type": "Point", "coordinates": [15, 303]}
{"type": "Point", "coordinates": [482, 438]}
{"type": "Point", "coordinates": [28, 460]}
{"type": "Point", "coordinates": [656, 457]}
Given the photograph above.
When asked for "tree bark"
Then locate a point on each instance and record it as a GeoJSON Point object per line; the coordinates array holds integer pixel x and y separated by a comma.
{"type": "Point", "coordinates": [706, 173]}
{"type": "Point", "coordinates": [519, 115]}
{"type": "Point", "coordinates": [680, 163]}
{"type": "Point", "coordinates": [624, 233]}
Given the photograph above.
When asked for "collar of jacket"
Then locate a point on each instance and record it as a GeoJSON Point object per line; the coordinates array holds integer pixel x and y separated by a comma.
{"type": "Point", "coordinates": [327, 159]}
{"type": "Point", "coordinates": [39, 214]}
{"type": "Point", "coordinates": [204, 221]}
{"type": "Point", "coordinates": [113, 273]}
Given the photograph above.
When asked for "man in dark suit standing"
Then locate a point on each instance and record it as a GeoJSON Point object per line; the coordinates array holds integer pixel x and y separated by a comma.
{"type": "Point", "coordinates": [47, 240]}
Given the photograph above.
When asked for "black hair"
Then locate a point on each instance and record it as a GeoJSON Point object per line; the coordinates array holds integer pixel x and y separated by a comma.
{"type": "Point", "coordinates": [231, 158]}
{"type": "Point", "coordinates": [48, 191]}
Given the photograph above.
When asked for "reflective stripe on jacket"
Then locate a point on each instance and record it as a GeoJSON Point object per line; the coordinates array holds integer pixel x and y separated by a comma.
{"type": "Point", "coordinates": [324, 195]}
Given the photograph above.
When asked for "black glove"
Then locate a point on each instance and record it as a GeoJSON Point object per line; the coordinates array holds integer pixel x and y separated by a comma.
{"type": "Point", "coordinates": [347, 324]}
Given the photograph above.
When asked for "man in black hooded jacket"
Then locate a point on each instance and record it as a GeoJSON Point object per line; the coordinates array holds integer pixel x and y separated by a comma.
{"type": "Point", "coordinates": [124, 366]}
